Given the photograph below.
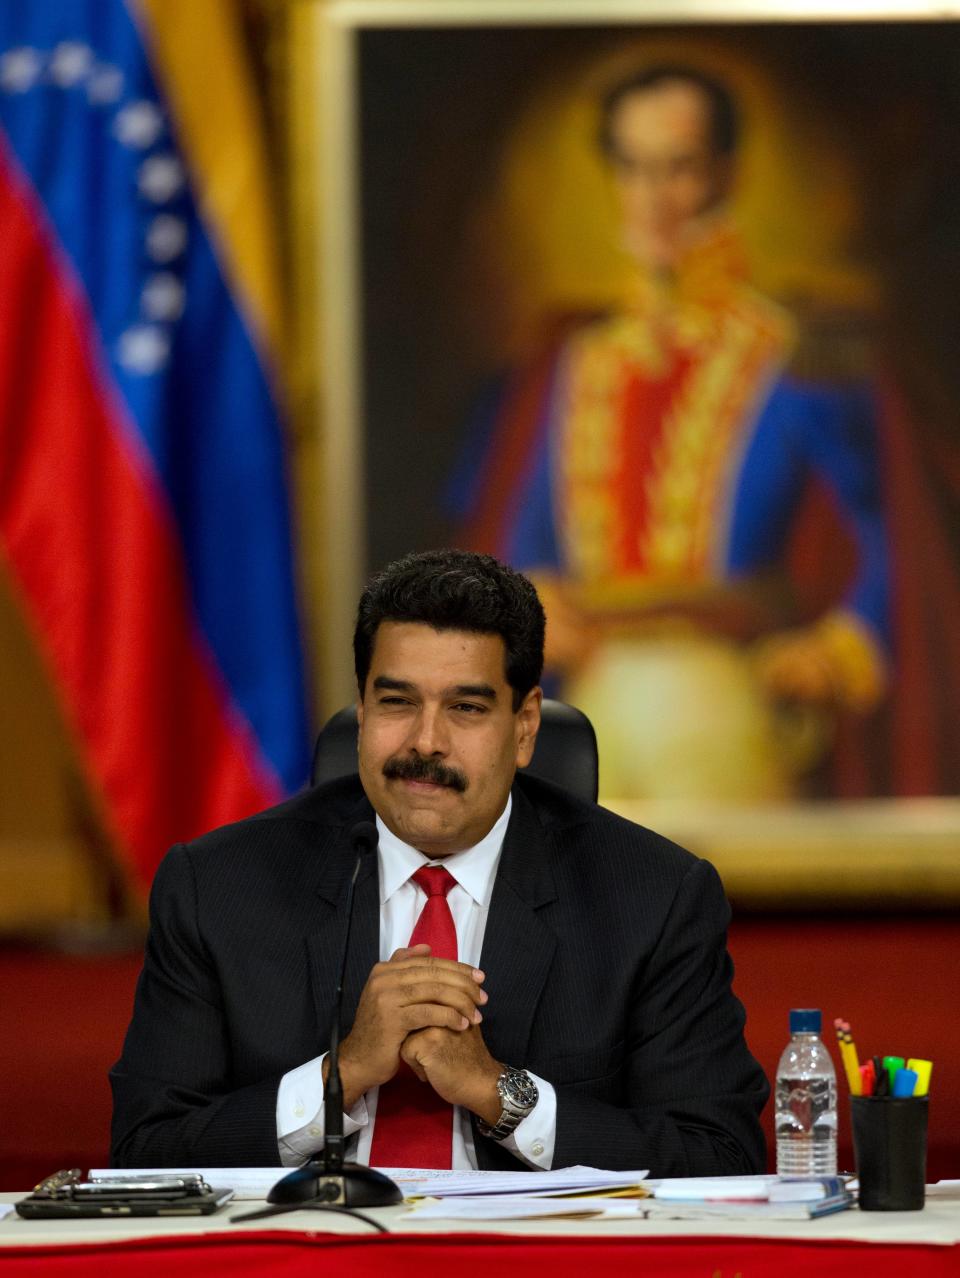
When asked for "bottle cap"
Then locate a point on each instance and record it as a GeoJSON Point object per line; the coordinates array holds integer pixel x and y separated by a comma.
{"type": "Point", "coordinates": [805, 1020]}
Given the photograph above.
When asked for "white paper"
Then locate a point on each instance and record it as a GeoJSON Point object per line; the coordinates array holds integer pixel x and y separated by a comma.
{"type": "Point", "coordinates": [6, 1209]}
{"type": "Point", "coordinates": [733, 1209]}
{"type": "Point", "coordinates": [793, 1190]}
{"type": "Point", "coordinates": [714, 1188]}
{"type": "Point", "coordinates": [944, 1189]}
{"type": "Point", "coordinates": [522, 1207]}
{"type": "Point", "coordinates": [451, 1184]}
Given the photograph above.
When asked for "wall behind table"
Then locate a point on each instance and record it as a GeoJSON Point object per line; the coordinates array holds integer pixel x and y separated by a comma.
{"type": "Point", "coordinates": [62, 1020]}
{"type": "Point", "coordinates": [894, 977]}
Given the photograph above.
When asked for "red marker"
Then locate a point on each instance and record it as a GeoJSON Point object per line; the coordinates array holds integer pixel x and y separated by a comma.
{"type": "Point", "coordinates": [868, 1079]}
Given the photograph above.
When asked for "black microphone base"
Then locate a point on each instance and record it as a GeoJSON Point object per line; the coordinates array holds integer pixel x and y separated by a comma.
{"type": "Point", "coordinates": [351, 1186]}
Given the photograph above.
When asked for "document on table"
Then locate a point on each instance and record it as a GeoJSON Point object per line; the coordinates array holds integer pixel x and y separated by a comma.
{"type": "Point", "coordinates": [256, 1182]}
{"type": "Point", "coordinates": [713, 1188]}
{"type": "Point", "coordinates": [775, 1189]}
{"type": "Point", "coordinates": [565, 1180]}
{"type": "Point", "coordinates": [687, 1198]}
{"type": "Point", "coordinates": [766, 1197]}
{"type": "Point", "coordinates": [521, 1207]}
{"type": "Point", "coordinates": [944, 1189]}
{"type": "Point", "coordinates": [743, 1209]}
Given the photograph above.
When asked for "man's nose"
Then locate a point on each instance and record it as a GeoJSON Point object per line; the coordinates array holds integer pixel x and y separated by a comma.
{"type": "Point", "coordinates": [428, 733]}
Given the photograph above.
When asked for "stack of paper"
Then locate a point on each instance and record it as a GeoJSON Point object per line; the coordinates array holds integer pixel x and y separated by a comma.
{"type": "Point", "coordinates": [566, 1180]}
{"type": "Point", "coordinates": [479, 1195]}
{"type": "Point", "coordinates": [770, 1197]}
{"type": "Point", "coordinates": [523, 1207]}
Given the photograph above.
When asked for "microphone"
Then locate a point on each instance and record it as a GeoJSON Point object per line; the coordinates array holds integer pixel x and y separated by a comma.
{"type": "Point", "coordinates": [325, 1180]}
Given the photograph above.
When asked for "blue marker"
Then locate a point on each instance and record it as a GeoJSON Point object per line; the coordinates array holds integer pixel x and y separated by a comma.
{"type": "Point", "coordinates": [904, 1082]}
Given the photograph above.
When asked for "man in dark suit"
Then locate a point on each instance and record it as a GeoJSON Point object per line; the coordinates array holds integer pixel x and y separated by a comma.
{"type": "Point", "coordinates": [531, 981]}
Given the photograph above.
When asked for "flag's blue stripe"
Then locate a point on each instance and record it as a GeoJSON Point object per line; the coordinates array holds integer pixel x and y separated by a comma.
{"type": "Point", "coordinates": [205, 412]}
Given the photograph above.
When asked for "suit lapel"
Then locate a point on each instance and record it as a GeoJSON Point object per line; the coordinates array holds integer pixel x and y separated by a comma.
{"type": "Point", "coordinates": [518, 945]}
{"type": "Point", "coordinates": [364, 949]}
{"type": "Point", "coordinates": [324, 946]}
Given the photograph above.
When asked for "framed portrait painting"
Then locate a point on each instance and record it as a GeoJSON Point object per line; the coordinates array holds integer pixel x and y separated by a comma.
{"type": "Point", "coordinates": [660, 307]}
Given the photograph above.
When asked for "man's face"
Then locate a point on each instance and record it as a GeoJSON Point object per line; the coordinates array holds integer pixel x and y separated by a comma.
{"type": "Point", "coordinates": [668, 175]}
{"type": "Point", "coordinates": [439, 738]}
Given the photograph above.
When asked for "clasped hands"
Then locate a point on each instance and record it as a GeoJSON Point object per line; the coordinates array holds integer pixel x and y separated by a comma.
{"type": "Point", "coordinates": [424, 1011]}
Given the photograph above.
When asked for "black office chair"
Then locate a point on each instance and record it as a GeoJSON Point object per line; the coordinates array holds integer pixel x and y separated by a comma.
{"type": "Point", "coordinates": [566, 750]}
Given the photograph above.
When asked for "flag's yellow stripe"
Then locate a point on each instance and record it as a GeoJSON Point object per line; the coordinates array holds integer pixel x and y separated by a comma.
{"type": "Point", "coordinates": [198, 54]}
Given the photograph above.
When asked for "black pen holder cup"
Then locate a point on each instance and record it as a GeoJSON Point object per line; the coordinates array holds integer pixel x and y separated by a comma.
{"type": "Point", "coordinates": [890, 1147]}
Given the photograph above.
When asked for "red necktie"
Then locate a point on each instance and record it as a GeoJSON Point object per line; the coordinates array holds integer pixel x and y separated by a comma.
{"type": "Point", "coordinates": [414, 1126]}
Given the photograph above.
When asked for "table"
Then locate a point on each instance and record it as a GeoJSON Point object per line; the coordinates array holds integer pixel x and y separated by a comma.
{"type": "Point", "coordinates": [925, 1243]}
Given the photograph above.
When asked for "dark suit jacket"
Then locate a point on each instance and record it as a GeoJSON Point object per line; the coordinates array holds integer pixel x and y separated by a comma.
{"type": "Point", "coordinates": [606, 969]}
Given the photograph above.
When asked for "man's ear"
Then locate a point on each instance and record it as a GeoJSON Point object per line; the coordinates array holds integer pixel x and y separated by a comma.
{"type": "Point", "coordinates": [528, 725]}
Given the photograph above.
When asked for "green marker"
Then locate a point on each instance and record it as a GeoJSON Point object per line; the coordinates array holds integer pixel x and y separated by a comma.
{"type": "Point", "coordinates": [891, 1064]}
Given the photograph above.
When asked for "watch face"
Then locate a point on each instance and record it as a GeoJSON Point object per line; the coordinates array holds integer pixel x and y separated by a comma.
{"type": "Point", "coordinates": [520, 1089]}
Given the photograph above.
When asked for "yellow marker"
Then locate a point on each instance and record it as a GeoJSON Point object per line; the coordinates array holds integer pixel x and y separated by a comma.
{"type": "Point", "coordinates": [922, 1070]}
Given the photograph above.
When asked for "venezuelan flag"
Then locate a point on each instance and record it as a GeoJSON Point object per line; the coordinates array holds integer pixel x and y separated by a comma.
{"type": "Point", "coordinates": [143, 496]}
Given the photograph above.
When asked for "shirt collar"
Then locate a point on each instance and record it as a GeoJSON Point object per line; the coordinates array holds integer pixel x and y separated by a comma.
{"type": "Point", "coordinates": [474, 869]}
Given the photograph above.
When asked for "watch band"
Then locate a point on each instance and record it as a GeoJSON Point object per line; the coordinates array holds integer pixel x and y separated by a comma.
{"type": "Point", "coordinates": [518, 1096]}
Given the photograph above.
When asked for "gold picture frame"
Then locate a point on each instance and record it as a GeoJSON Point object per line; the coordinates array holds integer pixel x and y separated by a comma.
{"type": "Point", "coordinates": [884, 852]}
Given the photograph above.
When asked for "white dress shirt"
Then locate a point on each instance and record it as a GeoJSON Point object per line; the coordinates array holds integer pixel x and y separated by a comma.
{"type": "Point", "coordinates": [300, 1122]}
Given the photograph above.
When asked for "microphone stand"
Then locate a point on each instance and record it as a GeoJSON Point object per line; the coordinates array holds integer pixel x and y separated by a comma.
{"type": "Point", "coordinates": [325, 1181]}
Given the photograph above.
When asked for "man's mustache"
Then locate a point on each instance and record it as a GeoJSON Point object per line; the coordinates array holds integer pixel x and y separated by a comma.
{"type": "Point", "coordinates": [418, 769]}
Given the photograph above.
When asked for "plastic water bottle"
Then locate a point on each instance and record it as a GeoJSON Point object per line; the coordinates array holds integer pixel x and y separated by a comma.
{"type": "Point", "coordinates": [806, 1102]}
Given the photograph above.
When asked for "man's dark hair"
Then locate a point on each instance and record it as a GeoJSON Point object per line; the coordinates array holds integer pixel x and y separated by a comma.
{"type": "Point", "coordinates": [724, 117]}
{"type": "Point", "coordinates": [456, 590]}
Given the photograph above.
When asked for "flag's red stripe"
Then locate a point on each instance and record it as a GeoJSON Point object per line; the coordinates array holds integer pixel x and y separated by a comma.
{"type": "Point", "coordinates": [101, 573]}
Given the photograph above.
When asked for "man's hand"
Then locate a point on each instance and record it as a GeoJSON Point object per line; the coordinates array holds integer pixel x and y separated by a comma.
{"type": "Point", "coordinates": [794, 665]}
{"type": "Point", "coordinates": [838, 661]}
{"type": "Point", "coordinates": [410, 992]}
{"type": "Point", "coordinates": [458, 1067]}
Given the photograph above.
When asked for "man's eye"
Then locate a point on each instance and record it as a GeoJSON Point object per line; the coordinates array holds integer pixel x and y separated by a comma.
{"type": "Point", "coordinates": [469, 707]}
{"type": "Point", "coordinates": [394, 701]}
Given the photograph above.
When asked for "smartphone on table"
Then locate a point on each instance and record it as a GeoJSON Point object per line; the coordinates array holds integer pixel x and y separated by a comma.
{"type": "Point", "coordinates": [65, 1194]}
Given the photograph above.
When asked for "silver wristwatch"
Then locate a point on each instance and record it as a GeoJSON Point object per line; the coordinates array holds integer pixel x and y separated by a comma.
{"type": "Point", "coordinates": [518, 1096]}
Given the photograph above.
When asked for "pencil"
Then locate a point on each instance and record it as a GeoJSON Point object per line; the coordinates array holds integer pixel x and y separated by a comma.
{"type": "Point", "coordinates": [848, 1054]}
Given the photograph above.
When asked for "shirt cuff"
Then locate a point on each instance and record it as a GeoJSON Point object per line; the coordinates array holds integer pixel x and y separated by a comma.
{"type": "Point", "coordinates": [300, 1118]}
{"type": "Point", "coordinates": [533, 1140]}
